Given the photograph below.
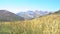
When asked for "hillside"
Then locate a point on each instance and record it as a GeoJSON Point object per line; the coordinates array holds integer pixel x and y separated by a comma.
{"type": "Point", "coordinates": [5, 15]}
{"type": "Point", "coordinates": [49, 24]}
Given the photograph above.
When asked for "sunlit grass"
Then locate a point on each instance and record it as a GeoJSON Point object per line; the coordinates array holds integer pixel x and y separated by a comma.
{"type": "Point", "coordinates": [44, 25]}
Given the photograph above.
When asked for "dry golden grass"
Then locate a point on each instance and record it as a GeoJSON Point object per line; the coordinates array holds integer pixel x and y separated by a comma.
{"type": "Point", "coordinates": [44, 25]}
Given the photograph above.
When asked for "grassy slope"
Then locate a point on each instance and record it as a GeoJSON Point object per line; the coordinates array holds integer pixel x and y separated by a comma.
{"type": "Point", "coordinates": [44, 25]}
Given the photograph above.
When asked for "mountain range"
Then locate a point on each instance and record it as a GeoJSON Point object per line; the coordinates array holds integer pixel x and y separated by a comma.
{"type": "Point", "coordinates": [32, 14]}
{"type": "Point", "coordinates": [6, 15]}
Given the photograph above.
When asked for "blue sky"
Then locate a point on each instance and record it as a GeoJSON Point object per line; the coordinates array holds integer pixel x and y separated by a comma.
{"type": "Point", "coordinates": [24, 5]}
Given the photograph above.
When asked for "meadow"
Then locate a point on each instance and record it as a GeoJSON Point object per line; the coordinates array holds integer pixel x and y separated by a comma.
{"type": "Point", "coordinates": [43, 25]}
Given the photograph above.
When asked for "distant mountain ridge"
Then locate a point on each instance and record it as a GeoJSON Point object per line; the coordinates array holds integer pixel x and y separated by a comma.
{"type": "Point", "coordinates": [32, 14]}
{"type": "Point", "coordinates": [6, 15]}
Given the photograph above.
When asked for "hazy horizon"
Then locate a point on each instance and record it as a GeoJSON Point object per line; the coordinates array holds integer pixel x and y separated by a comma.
{"type": "Point", "coordinates": [16, 6]}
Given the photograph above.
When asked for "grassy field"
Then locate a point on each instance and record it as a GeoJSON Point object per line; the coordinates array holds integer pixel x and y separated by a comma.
{"type": "Point", "coordinates": [44, 25]}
